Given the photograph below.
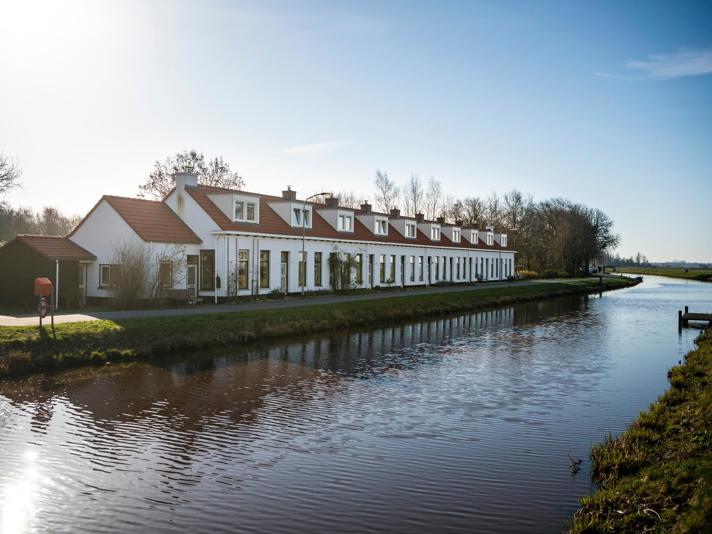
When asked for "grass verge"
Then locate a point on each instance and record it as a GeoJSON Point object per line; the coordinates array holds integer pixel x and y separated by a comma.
{"type": "Point", "coordinates": [701, 275]}
{"type": "Point", "coordinates": [23, 350]}
{"type": "Point", "coordinates": [657, 476]}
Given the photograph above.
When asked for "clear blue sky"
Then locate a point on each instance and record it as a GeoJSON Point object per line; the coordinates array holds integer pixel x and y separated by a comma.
{"type": "Point", "coordinates": [605, 103]}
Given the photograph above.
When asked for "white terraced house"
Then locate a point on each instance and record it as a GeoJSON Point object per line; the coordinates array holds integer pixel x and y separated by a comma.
{"type": "Point", "coordinates": [216, 243]}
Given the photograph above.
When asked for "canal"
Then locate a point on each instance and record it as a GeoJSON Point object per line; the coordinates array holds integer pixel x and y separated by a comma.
{"type": "Point", "coordinates": [456, 424]}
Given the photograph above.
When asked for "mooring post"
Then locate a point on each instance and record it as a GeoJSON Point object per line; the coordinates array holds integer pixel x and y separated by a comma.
{"type": "Point", "coordinates": [679, 319]}
{"type": "Point", "coordinates": [687, 310]}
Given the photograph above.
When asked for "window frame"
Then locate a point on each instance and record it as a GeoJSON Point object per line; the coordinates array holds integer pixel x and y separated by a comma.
{"type": "Point", "coordinates": [317, 269]}
{"type": "Point", "coordinates": [244, 205]}
{"type": "Point", "coordinates": [381, 221]}
{"type": "Point", "coordinates": [243, 262]}
{"type": "Point", "coordinates": [435, 233]}
{"type": "Point", "coordinates": [456, 235]}
{"type": "Point", "coordinates": [264, 269]}
{"type": "Point", "coordinates": [341, 218]}
{"type": "Point", "coordinates": [110, 269]}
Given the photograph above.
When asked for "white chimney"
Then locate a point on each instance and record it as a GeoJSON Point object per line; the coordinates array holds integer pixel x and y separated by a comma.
{"type": "Point", "coordinates": [184, 179]}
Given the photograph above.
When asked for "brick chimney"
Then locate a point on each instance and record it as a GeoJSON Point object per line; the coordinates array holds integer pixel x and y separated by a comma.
{"type": "Point", "coordinates": [458, 223]}
{"type": "Point", "coordinates": [441, 220]}
{"type": "Point", "coordinates": [332, 202]}
{"type": "Point", "coordinates": [288, 194]}
{"type": "Point", "coordinates": [365, 207]}
{"type": "Point", "coordinates": [419, 217]}
{"type": "Point", "coordinates": [395, 213]}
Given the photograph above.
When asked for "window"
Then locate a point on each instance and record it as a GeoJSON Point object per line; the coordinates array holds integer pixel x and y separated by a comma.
{"type": "Point", "coordinates": [490, 238]}
{"type": "Point", "coordinates": [105, 272]}
{"type": "Point", "coordinates": [503, 240]}
{"type": "Point", "coordinates": [382, 268]}
{"type": "Point", "coordinates": [358, 262]}
{"type": "Point", "coordinates": [437, 268]}
{"type": "Point", "coordinates": [245, 211]}
{"type": "Point", "coordinates": [474, 237]}
{"type": "Point", "coordinates": [410, 230]}
{"type": "Point", "coordinates": [301, 216]}
{"type": "Point", "coordinates": [345, 223]}
{"type": "Point", "coordinates": [412, 268]}
{"type": "Point", "coordinates": [381, 226]}
{"type": "Point", "coordinates": [317, 269]}
{"type": "Point", "coordinates": [420, 268]}
{"type": "Point", "coordinates": [458, 269]}
{"type": "Point", "coordinates": [297, 216]}
{"type": "Point", "coordinates": [435, 233]}
{"type": "Point", "coordinates": [165, 274]}
{"type": "Point", "coordinates": [302, 258]}
{"type": "Point", "coordinates": [264, 268]}
{"type": "Point", "coordinates": [470, 268]}
{"type": "Point", "coordinates": [456, 235]}
{"type": "Point", "coordinates": [243, 259]}
{"type": "Point", "coordinates": [392, 270]}
{"type": "Point", "coordinates": [207, 270]}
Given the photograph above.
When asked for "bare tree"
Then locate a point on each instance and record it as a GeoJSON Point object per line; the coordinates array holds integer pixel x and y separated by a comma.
{"type": "Point", "coordinates": [215, 172]}
{"type": "Point", "coordinates": [413, 196]}
{"type": "Point", "coordinates": [130, 264]}
{"type": "Point", "coordinates": [493, 210]}
{"type": "Point", "coordinates": [474, 208]}
{"type": "Point", "coordinates": [433, 199]}
{"type": "Point", "coordinates": [348, 199]}
{"type": "Point", "coordinates": [386, 191]}
{"type": "Point", "coordinates": [9, 175]}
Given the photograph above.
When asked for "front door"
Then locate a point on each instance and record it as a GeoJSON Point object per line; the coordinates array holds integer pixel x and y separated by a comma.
{"type": "Point", "coordinates": [284, 273]}
{"type": "Point", "coordinates": [192, 280]}
{"type": "Point", "coordinates": [82, 285]}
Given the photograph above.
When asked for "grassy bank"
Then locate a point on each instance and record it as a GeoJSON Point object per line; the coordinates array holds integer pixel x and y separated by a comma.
{"type": "Point", "coordinates": [23, 350]}
{"type": "Point", "coordinates": [702, 275]}
{"type": "Point", "coordinates": [657, 476]}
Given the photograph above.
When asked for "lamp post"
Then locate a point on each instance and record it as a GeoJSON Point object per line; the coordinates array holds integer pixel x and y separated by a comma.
{"type": "Point", "coordinates": [304, 223]}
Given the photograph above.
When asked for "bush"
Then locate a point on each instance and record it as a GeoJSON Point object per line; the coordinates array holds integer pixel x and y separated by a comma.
{"type": "Point", "coordinates": [554, 273]}
{"type": "Point", "coordinates": [527, 275]}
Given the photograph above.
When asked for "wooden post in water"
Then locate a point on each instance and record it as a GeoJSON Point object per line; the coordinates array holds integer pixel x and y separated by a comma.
{"type": "Point", "coordinates": [687, 310]}
{"type": "Point", "coordinates": [679, 319]}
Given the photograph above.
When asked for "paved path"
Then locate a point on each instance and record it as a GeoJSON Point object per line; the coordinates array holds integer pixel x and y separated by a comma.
{"type": "Point", "coordinates": [288, 302]}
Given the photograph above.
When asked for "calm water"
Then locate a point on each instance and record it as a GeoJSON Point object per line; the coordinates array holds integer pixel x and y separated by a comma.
{"type": "Point", "coordinates": [462, 424]}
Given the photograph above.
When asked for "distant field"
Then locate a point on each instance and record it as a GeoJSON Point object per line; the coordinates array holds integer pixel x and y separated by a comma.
{"type": "Point", "coordinates": [703, 275]}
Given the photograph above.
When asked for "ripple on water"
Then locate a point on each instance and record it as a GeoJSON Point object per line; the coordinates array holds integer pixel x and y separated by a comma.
{"type": "Point", "coordinates": [456, 424]}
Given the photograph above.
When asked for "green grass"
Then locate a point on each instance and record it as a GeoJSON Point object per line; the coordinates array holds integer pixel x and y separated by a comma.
{"type": "Point", "coordinates": [23, 350]}
{"type": "Point", "coordinates": [702, 275]}
{"type": "Point", "coordinates": [657, 476]}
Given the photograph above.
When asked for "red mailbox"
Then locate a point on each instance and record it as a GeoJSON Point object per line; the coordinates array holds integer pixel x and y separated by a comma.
{"type": "Point", "coordinates": [43, 287]}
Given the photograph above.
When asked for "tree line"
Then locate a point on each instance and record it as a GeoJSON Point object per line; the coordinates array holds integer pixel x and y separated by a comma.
{"type": "Point", "coordinates": [549, 235]}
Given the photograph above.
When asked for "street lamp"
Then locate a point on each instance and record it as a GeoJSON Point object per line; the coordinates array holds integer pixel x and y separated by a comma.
{"type": "Point", "coordinates": [304, 223]}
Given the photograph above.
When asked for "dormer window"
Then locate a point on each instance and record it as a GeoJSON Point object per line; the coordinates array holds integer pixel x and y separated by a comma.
{"type": "Point", "coordinates": [410, 229]}
{"type": "Point", "coordinates": [503, 240]}
{"type": "Point", "coordinates": [435, 233]}
{"type": "Point", "coordinates": [381, 226]}
{"type": "Point", "coordinates": [455, 235]}
{"type": "Point", "coordinates": [490, 238]}
{"type": "Point", "coordinates": [474, 237]}
{"type": "Point", "coordinates": [301, 216]}
{"type": "Point", "coordinates": [346, 223]}
{"type": "Point", "coordinates": [245, 211]}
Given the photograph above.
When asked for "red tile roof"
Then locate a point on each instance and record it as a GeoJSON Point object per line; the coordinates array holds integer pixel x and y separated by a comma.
{"type": "Point", "coordinates": [152, 220]}
{"type": "Point", "coordinates": [272, 223]}
{"type": "Point", "coordinates": [55, 247]}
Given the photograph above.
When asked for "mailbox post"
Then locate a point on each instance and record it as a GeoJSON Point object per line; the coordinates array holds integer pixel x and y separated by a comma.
{"type": "Point", "coordinates": [43, 288]}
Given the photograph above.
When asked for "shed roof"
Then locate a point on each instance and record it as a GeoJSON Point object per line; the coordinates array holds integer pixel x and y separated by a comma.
{"type": "Point", "coordinates": [54, 247]}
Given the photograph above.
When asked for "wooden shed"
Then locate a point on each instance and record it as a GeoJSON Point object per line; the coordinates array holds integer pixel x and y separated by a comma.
{"type": "Point", "coordinates": [58, 258]}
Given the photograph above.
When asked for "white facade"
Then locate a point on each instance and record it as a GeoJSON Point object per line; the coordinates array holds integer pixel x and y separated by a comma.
{"type": "Point", "coordinates": [250, 261]}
